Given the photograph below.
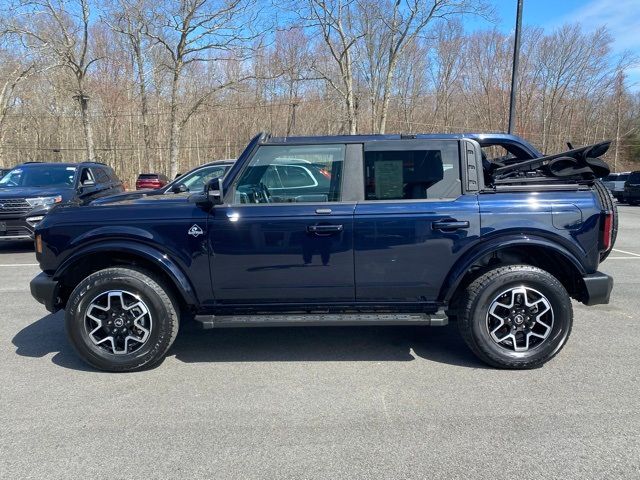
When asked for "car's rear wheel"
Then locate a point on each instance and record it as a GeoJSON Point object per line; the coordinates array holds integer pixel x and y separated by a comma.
{"type": "Point", "coordinates": [121, 319]}
{"type": "Point", "coordinates": [516, 316]}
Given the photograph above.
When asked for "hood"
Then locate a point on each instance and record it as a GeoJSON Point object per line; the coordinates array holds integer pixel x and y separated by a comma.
{"type": "Point", "coordinates": [119, 197]}
{"type": "Point", "coordinates": [151, 208]}
{"type": "Point", "coordinates": [31, 192]}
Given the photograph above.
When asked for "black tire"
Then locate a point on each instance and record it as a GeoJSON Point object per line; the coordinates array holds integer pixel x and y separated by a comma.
{"type": "Point", "coordinates": [607, 203]}
{"type": "Point", "coordinates": [163, 322]}
{"type": "Point", "coordinates": [476, 302]}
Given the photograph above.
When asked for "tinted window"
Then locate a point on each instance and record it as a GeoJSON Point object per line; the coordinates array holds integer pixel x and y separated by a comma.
{"type": "Point", "coordinates": [148, 176]}
{"type": "Point", "coordinates": [622, 177]}
{"type": "Point", "coordinates": [101, 175]}
{"type": "Point", "coordinates": [411, 174]}
{"type": "Point", "coordinates": [86, 177]}
{"type": "Point", "coordinates": [298, 173]}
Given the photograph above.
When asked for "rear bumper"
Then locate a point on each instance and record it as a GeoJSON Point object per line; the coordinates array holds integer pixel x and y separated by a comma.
{"type": "Point", "coordinates": [599, 286]}
{"type": "Point", "coordinates": [45, 290]}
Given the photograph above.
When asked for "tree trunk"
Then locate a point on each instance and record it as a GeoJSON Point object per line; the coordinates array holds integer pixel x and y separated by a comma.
{"type": "Point", "coordinates": [386, 98]}
{"type": "Point", "coordinates": [174, 135]}
{"type": "Point", "coordinates": [83, 100]}
{"type": "Point", "coordinates": [149, 160]}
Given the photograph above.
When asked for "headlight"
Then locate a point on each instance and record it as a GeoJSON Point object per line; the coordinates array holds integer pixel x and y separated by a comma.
{"type": "Point", "coordinates": [44, 201]}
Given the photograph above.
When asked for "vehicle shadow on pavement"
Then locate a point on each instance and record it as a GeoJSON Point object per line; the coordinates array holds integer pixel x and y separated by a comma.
{"type": "Point", "coordinates": [282, 344]}
{"type": "Point", "coordinates": [330, 344]}
{"type": "Point", "coordinates": [16, 247]}
{"type": "Point", "coordinates": [46, 336]}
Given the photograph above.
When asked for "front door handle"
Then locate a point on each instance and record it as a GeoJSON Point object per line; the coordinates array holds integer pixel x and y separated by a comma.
{"type": "Point", "coordinates": [449, 225]}
{"type": "Point", "coordinates": [324, 230]}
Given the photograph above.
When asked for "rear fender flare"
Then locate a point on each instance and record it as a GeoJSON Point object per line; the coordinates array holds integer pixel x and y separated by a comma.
{"type": "Point", "coordinates": [461, 267]}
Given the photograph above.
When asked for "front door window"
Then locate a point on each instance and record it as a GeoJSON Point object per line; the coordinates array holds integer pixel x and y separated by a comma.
{"type": "Point", "coordinates": [292, 174]}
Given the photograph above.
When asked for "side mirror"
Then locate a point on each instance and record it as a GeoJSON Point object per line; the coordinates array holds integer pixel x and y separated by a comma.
{"type": "Point", "coordinates": [181, 188]}
{"type": "Point", "coordinates": [213, 191]}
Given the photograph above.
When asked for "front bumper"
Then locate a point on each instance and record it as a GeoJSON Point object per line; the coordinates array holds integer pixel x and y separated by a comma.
{"type": "Point", "coordinates": [45, 290]}
{"type": "Point", "coordinates": [599, 286]}
{"type": "Point", "coordinates": [15, 229]}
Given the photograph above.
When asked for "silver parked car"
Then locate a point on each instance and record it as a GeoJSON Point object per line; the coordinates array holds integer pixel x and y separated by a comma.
{"type": "Point", "coordinates": [615, 183]}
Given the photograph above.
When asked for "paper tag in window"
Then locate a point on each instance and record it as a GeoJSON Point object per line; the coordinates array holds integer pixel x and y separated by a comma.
{"type": "Point", "coordinates": [388, 175]}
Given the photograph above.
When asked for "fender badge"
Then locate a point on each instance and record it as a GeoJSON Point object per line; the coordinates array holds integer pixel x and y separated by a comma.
{"type": "Point", "coordinates": [195, 231]}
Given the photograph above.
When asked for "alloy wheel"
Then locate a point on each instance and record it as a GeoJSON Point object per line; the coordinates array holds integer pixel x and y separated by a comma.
{"type": "Point", "coordinates": [520, 319]}
{"type": "Point", "coordinates": [118, 322]}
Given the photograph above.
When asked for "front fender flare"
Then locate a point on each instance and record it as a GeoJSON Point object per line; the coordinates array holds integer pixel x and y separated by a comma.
{"type": "Point", "coordinates": [147, 252]}
{"type": "Point", "coordinates": [460, 268]}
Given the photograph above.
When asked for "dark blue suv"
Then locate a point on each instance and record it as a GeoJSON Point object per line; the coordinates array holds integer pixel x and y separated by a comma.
{"type": "Point", "coordinates": [342, 230]}
{"type": "Point", "coordinates": [30, 191]}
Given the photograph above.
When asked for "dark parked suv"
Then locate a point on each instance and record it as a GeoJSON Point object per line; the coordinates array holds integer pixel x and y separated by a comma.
{"type": "Point", "coordinates": [631, 192]}
{"type": "Point", "coordinates": [342, 230]}
{"type": "Point", "coordinates": [30, 191]}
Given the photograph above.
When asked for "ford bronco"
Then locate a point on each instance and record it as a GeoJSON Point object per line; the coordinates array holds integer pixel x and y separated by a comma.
{"type": "Point", "coordinates": [482, 230]}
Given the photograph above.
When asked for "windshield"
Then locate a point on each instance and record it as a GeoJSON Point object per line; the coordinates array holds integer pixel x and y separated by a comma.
{"type": "Point", "coordinates": [39, 176]}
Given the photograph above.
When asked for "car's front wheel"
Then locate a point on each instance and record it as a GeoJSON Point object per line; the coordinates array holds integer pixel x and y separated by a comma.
{"type": "Point", "coordinates": [515, 316]}
{"type": "Point", "coordinates": [121, 319]}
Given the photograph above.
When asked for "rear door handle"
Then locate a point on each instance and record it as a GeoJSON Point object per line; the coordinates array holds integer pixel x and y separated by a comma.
{"type": "Point", "coordinates": [323, 230]}
{"type": "Point", "coordinates": [449, 225]}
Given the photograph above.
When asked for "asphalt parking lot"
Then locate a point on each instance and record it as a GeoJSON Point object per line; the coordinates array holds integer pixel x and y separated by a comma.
{"type": "Point", "coordinates": [376, 402]}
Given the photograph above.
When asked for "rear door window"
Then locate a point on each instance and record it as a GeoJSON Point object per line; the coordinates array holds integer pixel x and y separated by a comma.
{"type": "Point", "coordinates": [424, 171]}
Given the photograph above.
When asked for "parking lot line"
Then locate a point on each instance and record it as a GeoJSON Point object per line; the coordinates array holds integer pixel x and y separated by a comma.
{"type": "Point", "coordinates": [19, 265]}
{"type": "Point", "coordinates": [623, 258]}
{"type": "Point", "coordinates": [628, 253]}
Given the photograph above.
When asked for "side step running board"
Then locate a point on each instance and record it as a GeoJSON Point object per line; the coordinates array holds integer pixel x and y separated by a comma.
{"type": "Point", "coordinates": [321, 319]}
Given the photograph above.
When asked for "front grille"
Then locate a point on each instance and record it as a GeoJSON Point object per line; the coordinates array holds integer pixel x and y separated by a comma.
{"type": "Point", "coordinates": [14, 231]}
{"type": "Point", "coordinates": [13, 206]}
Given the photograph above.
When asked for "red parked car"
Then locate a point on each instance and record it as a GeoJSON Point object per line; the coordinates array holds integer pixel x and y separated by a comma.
{"type": "Point", "coordinates": [151, 181]}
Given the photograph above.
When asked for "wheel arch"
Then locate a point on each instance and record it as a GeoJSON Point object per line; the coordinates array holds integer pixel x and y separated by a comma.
{"type": "Point", "coordinates": [541, 253]}
{"type": "Point", "coordinates": [118, 253]}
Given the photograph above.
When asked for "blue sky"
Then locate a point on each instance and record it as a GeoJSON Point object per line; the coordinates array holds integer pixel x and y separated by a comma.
{"type": "Point", "coordinates": [621, 17]}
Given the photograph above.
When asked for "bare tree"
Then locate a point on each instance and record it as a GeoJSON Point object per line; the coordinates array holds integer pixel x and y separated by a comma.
{"type": "Point", "coordinates": [13, 72]}
{"type": "Point", "coordinates": [128, 18]}
{"type": "Point", "coordinates": [335, 22]}
{"type": "Point", "coordinates": [446, 69]}
{"type": "Point", "coordinates": [62, 29]}
{"type": "Point", "coordinates": [193, 32]}
{"type": "Point", "coordinates": [404, 21]}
